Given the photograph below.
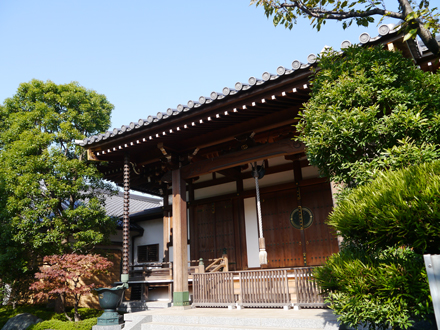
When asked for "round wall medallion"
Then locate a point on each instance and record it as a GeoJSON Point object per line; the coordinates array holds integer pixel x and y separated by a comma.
{"type": "Point", "coordinates": [307, 218]}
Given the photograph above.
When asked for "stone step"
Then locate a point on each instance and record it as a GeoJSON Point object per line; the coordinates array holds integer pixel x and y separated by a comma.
{"type": "Point", "coordinates": [138, 306]}
{"type": "Point", "coordinates": [171, 326]}
{"type": "Point", "coordinates": [213, 322]}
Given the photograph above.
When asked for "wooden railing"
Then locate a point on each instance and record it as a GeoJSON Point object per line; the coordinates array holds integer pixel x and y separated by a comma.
{"type": "Point", "coordinates": [264, 288]}
{"type": "Point", "coordinates": [152, 270]}
{"type": "Point", "coordinates": [213, 289]}
{"type": "Point", "coordinates": [216, 265]}
{"type": "Point", "coordinates": [308, 293]}
{"type": "Point", "coordinates": [257, 288]}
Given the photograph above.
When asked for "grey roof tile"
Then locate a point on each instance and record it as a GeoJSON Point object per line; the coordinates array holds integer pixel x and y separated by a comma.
{"type": "Point", "coordinates": [364, 38]}
{"type": "Point", "coordinates": [114, 205]}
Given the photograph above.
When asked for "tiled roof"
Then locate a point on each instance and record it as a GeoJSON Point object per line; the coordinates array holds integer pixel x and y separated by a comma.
{"type": "Point", "coordinates": [114, 205]}
{"type": "Point", "coordinates": [239, 87]}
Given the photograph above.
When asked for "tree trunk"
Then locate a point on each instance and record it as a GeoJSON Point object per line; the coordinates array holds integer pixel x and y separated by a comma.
{"type": "Point", "coordinates": [424, 34]}
{"type": "Point", "coordinates": [76, 314]}
{"type": "Point", "coordinates": [59, 304]}
{"type": "Point", "coordinates": [60, 307]}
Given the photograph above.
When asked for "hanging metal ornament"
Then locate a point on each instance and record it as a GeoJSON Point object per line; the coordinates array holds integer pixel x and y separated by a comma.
{"type": "Point", "coordinates": [258, 173]}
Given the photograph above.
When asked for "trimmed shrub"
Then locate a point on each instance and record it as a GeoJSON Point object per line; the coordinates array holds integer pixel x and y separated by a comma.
{"type": "Point", "coordinates": [60, 325]}
{"type": "Point", "coordinates": [379, 289]}
{"type": "Point", "coordinates": [398, 208]}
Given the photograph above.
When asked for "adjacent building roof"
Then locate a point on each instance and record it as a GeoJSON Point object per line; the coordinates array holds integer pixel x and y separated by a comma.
{"type": "Point", "coordinates": [114, 205]}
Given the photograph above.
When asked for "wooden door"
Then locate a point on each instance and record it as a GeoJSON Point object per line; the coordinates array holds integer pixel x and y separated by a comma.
{"type": "Point", "coordinates": [214, 231]}
{"type": "Point", "coordinates": [203, 242]}
{"type": "Point", "coordinates": [288, 246]}
{"type": "Point", "coordinates": [320, 239]}
{"type": "Point", "coordinates": [283, 242]}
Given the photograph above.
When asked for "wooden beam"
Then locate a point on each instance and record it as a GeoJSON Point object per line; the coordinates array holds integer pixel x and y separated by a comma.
{"type": "Point", "coordinates": [265, 151]}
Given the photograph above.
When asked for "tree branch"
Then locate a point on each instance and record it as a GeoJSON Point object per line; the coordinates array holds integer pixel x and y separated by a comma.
{"type": "Point", "coordinates": [339, 15]}
{"type": "Point", "coordinates": [422, 32]}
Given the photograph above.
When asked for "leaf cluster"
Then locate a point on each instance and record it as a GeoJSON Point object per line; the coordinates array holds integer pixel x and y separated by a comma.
{"type": "Point", "coordinates": [381, 289]}
{"type": "Point", "coordinates": [370, 109]}
{"type": "Point", "coordinates": [63, 276]}
{"type": "Point", "coordinates": [398, 208]}
{"type": "Point", "coordinates": [53, 197]}
{"type": "Point", "coordinates": [360, 12]}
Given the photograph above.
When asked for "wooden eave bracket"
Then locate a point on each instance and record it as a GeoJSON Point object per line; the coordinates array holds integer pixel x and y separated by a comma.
{"type": "Point", "coordinates": [91, 156]}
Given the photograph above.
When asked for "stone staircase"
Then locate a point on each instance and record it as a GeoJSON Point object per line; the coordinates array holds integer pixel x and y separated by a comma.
{"type": "Point", "coordinates": [224, 319]}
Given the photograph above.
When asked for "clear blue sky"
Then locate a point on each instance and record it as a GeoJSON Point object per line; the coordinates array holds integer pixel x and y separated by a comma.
{"type": "Point", "coordinates": [147, 56]}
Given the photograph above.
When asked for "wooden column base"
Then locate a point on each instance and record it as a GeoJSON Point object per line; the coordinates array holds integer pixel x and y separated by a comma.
{"type": "Point", "coordinates": [181, 298]}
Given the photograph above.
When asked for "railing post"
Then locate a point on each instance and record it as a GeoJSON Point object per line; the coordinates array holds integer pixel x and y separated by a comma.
{"type": "Point", "coordinates": [225, 261]}
{"type": "Point", "coordinates": [201, 266]}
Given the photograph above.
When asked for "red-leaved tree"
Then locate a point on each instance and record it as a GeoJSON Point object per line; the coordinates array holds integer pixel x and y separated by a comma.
{"type": "Point", "coordinates": [63, 276]}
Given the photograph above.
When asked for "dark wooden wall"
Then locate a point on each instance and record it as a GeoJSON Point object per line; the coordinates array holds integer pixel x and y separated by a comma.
{"type": "Point", "coordinates": [216, 225]}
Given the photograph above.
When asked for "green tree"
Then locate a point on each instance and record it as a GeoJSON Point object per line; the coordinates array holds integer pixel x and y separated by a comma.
{"type": "Point", "coordinates": [372, 123]}
{"type": "Point", "coordinates": [419, 19]}
{"type": "Point", "coordinates": [52, 200]}
{"type": "Point", "coordinates": [370, 110]}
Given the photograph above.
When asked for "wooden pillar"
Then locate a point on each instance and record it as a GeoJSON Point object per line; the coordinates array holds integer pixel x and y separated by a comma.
{"type": "Point", "coordinates": [166, 226]}
{"type": "Point", "coordinates": [180, 241]}
{"type": "Point", "coordinates": [192, 226]}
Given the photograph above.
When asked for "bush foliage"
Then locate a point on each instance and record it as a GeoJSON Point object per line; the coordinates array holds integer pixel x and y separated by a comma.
{"type": "Point", "coordinates": [370, 110]}
{"type": "Point", "coordinates": [373, 124]}
{"type": "Point", "coordinates": [51, 320]}
{"type": "Point", "coordinates": [398, 208]}
{"type": "Point", "coordinates": [381, 289]}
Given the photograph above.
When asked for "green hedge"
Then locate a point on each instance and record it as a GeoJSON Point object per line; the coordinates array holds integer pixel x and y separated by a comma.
{"type": "Point", "coordinates": [51, 320]}
{"type": "Point", "coordinates": [398, 208]}
{"type": "Point", "coordinates": [386, 288]}
{"type": "Point", "coordinates": [60, 325]}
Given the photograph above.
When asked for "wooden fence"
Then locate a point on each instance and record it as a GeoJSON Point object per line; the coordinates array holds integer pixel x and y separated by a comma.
{"type": "Point", "coordinates": [213, 289]}
{"type": "Point", "coordinates": [264, 288]}
{"type": "Point", "coordinates": [308, 293]}
{"type": "Point", "coordinates": [258, 288]}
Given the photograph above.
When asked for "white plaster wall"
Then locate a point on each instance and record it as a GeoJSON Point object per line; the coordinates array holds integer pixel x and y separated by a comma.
{"type": "Point", "coordinates": [172, 254]}
{"type": "Point", "coordinates": [205, 177]}
{"type": "Point", "coordinates": [250, 218]}
{"type": "Point", "coordinates": [153, 234]}
{"type": "Point", "coordinates": [278, 161]}
{"type": "Point", "coordinates": [310, 172]}
{"type": "Point", "coordinates": [221, 189]}
{"type": "Point", "coordinates": [269, 180]}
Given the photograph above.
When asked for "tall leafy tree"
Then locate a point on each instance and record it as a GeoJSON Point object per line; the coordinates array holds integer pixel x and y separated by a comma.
{"type": "Point", "coordinates": [370, 110]}
{"type": "Point", "coordinates": [373, 123]}
{"type": "Point", "coordinates": [52, 201]}
{"type": "Point", "coordinates": [418, 17]}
